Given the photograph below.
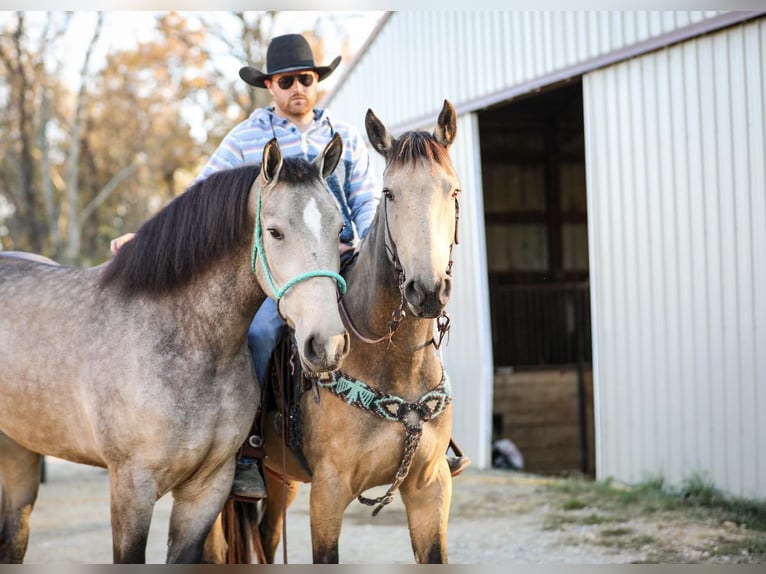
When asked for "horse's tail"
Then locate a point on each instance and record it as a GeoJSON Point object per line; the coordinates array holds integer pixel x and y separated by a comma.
{"type": "Point", "coordinates": [243, 537]}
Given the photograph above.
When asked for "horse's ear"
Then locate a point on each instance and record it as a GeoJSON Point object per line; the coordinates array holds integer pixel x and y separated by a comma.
{"type": "Point", "coordinates": [272, 161]}
{"type": "Point", "coordinates": [446, 125]}
{"type": "Point", "coordinates": [380, 139]}
{"type": "Point", "coordinates": [328, 160]}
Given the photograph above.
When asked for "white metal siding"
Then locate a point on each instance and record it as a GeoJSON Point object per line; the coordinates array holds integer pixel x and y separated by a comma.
{"type": "Point", "coordinates": [468, 356]}
{"type": "Point", "coordinates": [677, 226]}
{"type": "Point", "coordinates": [421, 57]}
{"type": "Point", "coordinates": [477, 58]}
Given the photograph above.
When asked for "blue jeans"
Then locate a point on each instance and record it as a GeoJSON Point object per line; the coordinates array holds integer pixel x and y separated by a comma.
{"type": "Point", "coordinates": [263, 335]}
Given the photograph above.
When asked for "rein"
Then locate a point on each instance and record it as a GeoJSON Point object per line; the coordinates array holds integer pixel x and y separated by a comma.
{"type": "Point", "coordinates": [259, 254]}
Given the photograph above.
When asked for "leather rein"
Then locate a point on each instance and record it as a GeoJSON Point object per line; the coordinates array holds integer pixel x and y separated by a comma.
{"type": "Point", "coordinates": [398, 314]}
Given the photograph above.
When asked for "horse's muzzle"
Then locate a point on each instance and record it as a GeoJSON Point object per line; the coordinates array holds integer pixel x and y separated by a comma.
{"type": "Point", "coordinates": [322, 354]}
{"type": "Point", "coordinates": [427, 302]}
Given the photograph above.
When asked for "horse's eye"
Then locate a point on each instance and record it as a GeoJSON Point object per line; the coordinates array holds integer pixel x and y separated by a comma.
{"type": "Point", "coordinates": [388, 194]}
{"type": "Point", "coordinates": [275, 233]}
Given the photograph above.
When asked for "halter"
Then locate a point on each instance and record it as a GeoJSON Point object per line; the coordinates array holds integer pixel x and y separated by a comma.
{"type": "Point", "coordinates": [259, 254]}
{"type": "Point", "coordinates": [398, 314]}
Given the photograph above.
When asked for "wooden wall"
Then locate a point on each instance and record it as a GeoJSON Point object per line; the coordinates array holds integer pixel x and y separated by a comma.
{"type": "Point", "coordinates": [539, 412]}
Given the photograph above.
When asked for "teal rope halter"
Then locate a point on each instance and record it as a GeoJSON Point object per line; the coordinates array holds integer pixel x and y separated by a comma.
{"type": "Point", "coordinates": [258, 254]}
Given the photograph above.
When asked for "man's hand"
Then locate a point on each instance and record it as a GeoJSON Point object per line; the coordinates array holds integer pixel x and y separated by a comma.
{"type": "Point", "coordinates": [115, 245]}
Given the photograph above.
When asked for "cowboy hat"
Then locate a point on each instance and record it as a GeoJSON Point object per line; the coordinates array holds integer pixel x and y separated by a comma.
{"type": "Point", "coordinates": [288, 53]}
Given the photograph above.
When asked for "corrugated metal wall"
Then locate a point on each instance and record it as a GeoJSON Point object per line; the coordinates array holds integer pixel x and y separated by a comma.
{"type": "Point", "coordinates": [468, 356]}
{"type": "Point", "coordinates": [421, 57]}
{"type": "Point", "coordinates": [474, 59]}
{"type": "Point", "coordinates": [677, 225]}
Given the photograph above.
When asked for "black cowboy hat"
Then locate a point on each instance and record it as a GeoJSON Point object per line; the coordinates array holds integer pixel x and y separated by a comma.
{"type": "Point", "coordinates": [288, 53]}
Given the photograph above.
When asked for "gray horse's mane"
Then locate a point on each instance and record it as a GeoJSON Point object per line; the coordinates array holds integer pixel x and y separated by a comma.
{"type": "Point", "coordinates": [207, 221]}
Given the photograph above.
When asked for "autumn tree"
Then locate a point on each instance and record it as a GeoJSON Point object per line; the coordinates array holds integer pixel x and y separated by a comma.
{"type": "Point", "coordinates": [138, 126]}
{"type": "Point", "coordinates": [19, 170]}
{"type": "Point", "coordinates": [82, 162]}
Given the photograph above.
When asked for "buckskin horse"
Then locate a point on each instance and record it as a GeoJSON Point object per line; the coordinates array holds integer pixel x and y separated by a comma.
{"type": "Point", "coordinates": [141, 366]}
{"type": "Point", "coordinates": [386, 418]}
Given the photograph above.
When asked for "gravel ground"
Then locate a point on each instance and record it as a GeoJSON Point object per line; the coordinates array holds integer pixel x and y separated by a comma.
{"type": "Point", "coordinates": [496, 517]}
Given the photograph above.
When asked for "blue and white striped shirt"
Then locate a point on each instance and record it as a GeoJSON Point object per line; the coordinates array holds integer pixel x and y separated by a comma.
{"type": "Point", "coordinates": [353, 183]}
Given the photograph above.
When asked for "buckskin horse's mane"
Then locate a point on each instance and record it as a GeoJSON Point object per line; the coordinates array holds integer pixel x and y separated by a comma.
{"type": "Point", "coordinates": [191, 232]}
{"type": "Point", "coordinates": [415, 145]}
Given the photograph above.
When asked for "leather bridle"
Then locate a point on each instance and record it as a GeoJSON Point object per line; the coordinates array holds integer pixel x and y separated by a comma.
{"type": "Point", "coordinates": [398, 314]}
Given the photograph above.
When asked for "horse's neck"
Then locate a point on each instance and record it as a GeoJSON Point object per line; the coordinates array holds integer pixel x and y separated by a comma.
{"type": "Point", "coordinates": [224, 300]}
{"type": "Point", "coordinates": [373, 292]}
{"type": "Point", "coordinates": [410, 364]}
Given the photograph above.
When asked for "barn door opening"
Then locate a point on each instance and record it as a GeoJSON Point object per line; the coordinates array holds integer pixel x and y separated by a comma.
{"type": "Point", "coordinates": [533, 169]}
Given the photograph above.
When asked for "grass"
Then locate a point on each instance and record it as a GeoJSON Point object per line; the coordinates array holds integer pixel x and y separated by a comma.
{"type": "Point", "coordinates": [622, 539]}
{"type": "Point", "coordinates": [603, 505]}
{"type": "Point", "coordinates": [554, 521]}
{"type": "Point", "coordinates": [693, 494]}
{"type": "Point", "coordinates": [700, 493]}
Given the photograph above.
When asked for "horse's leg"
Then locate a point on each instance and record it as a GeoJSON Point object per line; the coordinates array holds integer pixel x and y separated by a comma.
{"type": "Point", "coordinates": [196, 505]}
{"type": "Point", "coordinates": [328, 501]}
{"type": "Point", "coordinates": [270, 529]}
{"type": "Point", "coordinates": [19, 484]}
{"type": "Point", "coordinates": [132, 494]}
{"type": "Point", "coordinates": [427, 509]}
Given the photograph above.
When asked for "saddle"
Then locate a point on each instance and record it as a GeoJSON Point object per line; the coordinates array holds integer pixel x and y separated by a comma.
{"type": "Point", "coordinates": [281, 394]}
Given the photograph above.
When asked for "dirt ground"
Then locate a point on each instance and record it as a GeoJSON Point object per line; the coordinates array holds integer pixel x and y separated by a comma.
{"type": "Point", "coordinates": [496, 517]}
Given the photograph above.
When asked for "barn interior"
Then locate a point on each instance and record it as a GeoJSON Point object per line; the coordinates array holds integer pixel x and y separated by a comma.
{"type": "Point", "coordinates": [536, 218]}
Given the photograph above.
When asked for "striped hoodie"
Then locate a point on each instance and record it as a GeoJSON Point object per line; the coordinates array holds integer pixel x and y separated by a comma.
{"type": "Point", "coordinates": [353, 183]}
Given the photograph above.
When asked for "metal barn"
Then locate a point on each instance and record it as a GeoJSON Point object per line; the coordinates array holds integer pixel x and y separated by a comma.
{"type": "Point", "coordinates": [613, 230]}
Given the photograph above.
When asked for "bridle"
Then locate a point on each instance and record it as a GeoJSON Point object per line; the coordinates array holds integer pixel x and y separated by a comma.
{"type": "Point", "coordinates": [259, 254]}
{"type": "Point", "coordinates": [398, 314]}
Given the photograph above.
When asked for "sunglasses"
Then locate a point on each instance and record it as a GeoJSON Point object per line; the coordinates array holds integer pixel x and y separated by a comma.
{"type": "Point", "coordinates": [286, 82]}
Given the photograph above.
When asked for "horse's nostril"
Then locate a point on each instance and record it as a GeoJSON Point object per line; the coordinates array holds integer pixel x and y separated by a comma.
{"type": "Point", "coordinates": [445, 291]}
{"type": "Point", "coordinates": [310, 348]}
{"type": "Point", "coordinates": [428, 299]}
{"type": "Point", "coordinates": [326, 353]}
{"type": "Point", "coordinates": [414, 293]}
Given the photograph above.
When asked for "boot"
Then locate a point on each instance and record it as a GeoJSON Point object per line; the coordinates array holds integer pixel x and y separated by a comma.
{"type": "Point", "coordinates": [248, 481]}
{"type": "Point", "coordinates": [459, 462]}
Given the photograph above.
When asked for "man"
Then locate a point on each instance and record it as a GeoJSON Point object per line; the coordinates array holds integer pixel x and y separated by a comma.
{"type": "Point", "coordinates": [301, 129]}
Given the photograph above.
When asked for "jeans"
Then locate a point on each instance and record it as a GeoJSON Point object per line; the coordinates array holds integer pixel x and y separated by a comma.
{"type": "Point", "coordinates": [267, 328]}
{"type": "Point", "coordinates": [263, 335]}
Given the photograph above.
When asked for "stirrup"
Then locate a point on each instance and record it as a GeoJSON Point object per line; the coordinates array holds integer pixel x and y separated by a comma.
{"type": "Point", "coordinates": [248, 482]}
{"type": "Point", "coordinates": [459, 462]}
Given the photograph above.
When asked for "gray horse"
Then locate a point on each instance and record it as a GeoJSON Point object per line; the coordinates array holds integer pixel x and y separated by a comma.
{"type": "Point", "coordinates": [141, 365]}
